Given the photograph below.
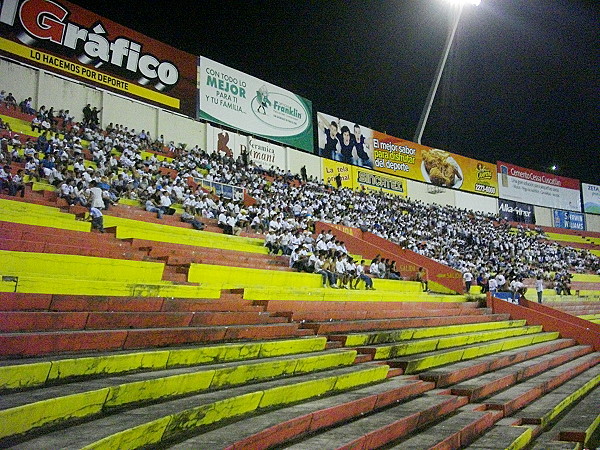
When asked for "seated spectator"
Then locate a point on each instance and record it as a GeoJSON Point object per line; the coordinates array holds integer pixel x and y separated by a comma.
{"type": "Point", "coordinates": [188, 217]}
{"type": "Point", "coordinates": [27, 106]}
{"type": "Point", "coordinates": [5, 178]}
{"type": "Point", "coordinates": [152, 205]}
{"type": "Point", "coordinates": [36, 123]}
{"type": "Point", "coordinates": [10, 101]}
{"type": "Point", "coordinates": [394, 273]}
{"type": "Point", "coordinates": [361, 275]}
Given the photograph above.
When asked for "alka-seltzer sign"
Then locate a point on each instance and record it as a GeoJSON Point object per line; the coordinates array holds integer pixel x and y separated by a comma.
{"type": "Point", "coordinates": [63, 37]}
{"type": "Point", "coordinates": [237, 100]}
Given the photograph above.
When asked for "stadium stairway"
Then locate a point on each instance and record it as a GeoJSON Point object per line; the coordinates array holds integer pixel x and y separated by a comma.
{"type": "Point", "coordinates": [257, 358]}
{"type": "Point", "coordinates": [421, 384]}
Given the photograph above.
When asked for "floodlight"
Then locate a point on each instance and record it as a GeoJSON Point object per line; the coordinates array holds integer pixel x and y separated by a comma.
{"type": "Point", "coordinates": [460, 4]}
{"type": "Point", "coordinates": [465, 2]}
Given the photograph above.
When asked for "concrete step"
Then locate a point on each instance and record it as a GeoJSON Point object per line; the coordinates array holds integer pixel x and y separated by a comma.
{"type": "Point", "coordinates": [28, 373]}
{"type": "Point", "coordinates": [485, 385]}
{"type": "Point", "coordinates": [431, 344]}
{"type": "Point", "coordinates": [523, 394]}
{"type": "Point", "coordinates": [423, 361]}
{"type": "Point", "coordinates": [389, 324]}
{"type": "Point", "coordinates": [378, 429]}
{"type": "Point", "coordinates": [503, 436]}
{"type": "Point", "coordinates": [277, 427]}
{"type": "Point", "coordinates": [579, 425]}
{"type": "Point", "coordinates": [383, 337]}
{"type": "Point", "coordinates": [578, 381]}
{"type": "Point", "coordinates": [47, 343]}
{"type": "Point", "coordinates": [167, 421]}
{"type": "Point", "coordinates": [464, 370]}
{"type": "Point", "coordinates": [457, 431]}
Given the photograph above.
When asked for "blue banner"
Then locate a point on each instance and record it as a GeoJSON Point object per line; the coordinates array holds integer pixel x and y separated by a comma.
{"type": "Point", "coordinates": [569, 220]}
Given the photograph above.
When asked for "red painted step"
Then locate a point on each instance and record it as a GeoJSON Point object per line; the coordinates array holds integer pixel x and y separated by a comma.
{"type": "Point", "coordinates": [286, 305]}
{"type": "Point", "coordinates": [373, 325]}
{"type": "Point", "coordinates": [48, 343]}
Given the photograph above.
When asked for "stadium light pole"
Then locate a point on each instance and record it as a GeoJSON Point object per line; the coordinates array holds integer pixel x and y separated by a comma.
{"type": "Point", "coordinates": [458, 6]}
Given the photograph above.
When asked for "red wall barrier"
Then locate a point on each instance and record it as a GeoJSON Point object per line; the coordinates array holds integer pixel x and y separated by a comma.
{"type": "Point", "coordinates": [537, 314]}
{"type": "Point", "coordinates": [369, 245]}
{"type": "Point", "coordinates": [439, 273]}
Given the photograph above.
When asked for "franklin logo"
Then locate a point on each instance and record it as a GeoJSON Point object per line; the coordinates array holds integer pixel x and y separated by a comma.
{"type": "Point", "coordinates": [279, 110]}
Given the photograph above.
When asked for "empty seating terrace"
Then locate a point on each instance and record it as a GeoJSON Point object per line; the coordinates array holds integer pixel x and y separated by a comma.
{"type": "Point", "coordinates": [158, 335]}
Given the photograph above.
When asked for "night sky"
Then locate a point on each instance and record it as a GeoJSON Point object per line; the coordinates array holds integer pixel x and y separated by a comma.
{"type": "Point", "coordinates": [522, 82]}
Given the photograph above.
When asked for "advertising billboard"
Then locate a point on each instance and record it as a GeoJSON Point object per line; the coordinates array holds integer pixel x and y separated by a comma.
{"type": "Point", "coordinates": [431, 165]}
{"type": "Point", "coordinates": [265, 154]}
{"type": "Point", "coordinates": [516, 212]}
{"type": "Point", "coordinates": [350, 143]}
{"type": "Point", "coordinates": [568, 219]}
{"type": "Point", "coordinates": [591, 198]}
{"type": "Point", "coordinates": [64, 38]}
{"type": "Point", "coordinates": [369, 180]}
{"type": "Point", "coordinates": [344, 141]}
{"type": "Point", "coordinates": [337, 174]}
{"type": "Point", "coordinates": [538, 188]}
{"type": "Point", "coordinates": [359, 178]}
{"type": "Point", "coordinates": [241, 101]}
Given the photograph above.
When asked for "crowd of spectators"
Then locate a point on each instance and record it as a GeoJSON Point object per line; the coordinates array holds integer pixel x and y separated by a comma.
{"type": "Point", "coordinates": [286, 207]}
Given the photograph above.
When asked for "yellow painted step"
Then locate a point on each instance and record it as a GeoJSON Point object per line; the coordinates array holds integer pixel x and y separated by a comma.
{"type": "Point", "coordinates": [242, 277]}
{"type": "Point", "coordinates": [124, 288]}
{"type": "Point", "coordinates": [37, 374]}
{"type": "Point", "coordinates": [202, 416]}
{"type": "Point", "coordinates": [381, 337]}
{"type": "Point", "coordinates": [56, 410]}
{"type": "Point", "coordinates": [110, 221]}
{"type": "Point", "coordinates": [425, 362]}
{"type": "Point", "coordinates": [432, 344]}
{"type": "Point", "coordinates": [304, 293]}
{"type": "Point", "coordinates": [79, 267]}
{"type": "Point", "coordinates": [43, 220]}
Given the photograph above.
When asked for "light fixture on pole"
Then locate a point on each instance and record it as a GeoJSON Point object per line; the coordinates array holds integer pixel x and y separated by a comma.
{"type": "Point", "coordinates": [457, 10]}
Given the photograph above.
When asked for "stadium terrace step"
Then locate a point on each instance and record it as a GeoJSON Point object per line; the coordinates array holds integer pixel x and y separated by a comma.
{"type": "Point", "coordinates": [381, 428]}
{"type": "Point", "coordinates": [35, 372]}
{"type": "Point", "coordinates": [172, 419]}
{"type": "Point", "coordinates": [490, 383]}
{"type": "Point", "coordinates": [522, 394]}
{"type": "Point", "coordinates": [10, 301]}
{"type": "Point", "coordinates": [464, 370]}
{"type": "Point", "coordinates": [83, 267]}
{"type": "Point", "coordinates": [33, 214]}
{"type": "Point", "coordinates": [545, 409]}
{"type": "Point", "coordinates": [243, 277]}
{"type": "Point", "coordinates": [503, 436]}
{"type": "Point", "coordinates": [379, 313]}
{"type": "Point", "coordinates": [277, 427]}
{"type": "Point", "coordinates": [578, 425]}
{"type": "Point", "coordinates": [108, 250]}
{"type": "Point", "coordinates": [455, 432]}
{"type": "Point", "coordinates": [383, 337]}
{"type": "Point", "coordinates": [422, 361]}
{"type": "Point", "coordinates": [13, 322]}
{"type": "Point", "coordinates": [399, 291]}
{"type": "Point", "coordinates": [47, 343]}
{"type": "Point", "coordinates": [429, 344]}
{"type": "Point", "coordinates": [299, 305]}
{"type": "Point", "coordinates": [356, 326]}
